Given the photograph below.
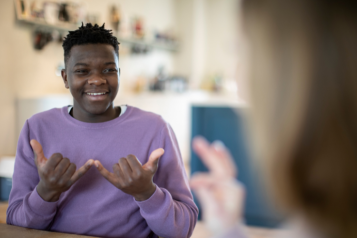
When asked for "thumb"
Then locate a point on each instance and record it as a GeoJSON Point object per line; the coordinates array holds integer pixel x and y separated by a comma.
{"type": "Point", "coordinates": [153, 161]}
{"type": "Point", "coordinates": [38, 152]}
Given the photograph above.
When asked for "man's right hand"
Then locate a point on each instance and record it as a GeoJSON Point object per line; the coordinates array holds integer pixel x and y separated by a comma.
{"type": "Point", "coordinates": [57, 174]}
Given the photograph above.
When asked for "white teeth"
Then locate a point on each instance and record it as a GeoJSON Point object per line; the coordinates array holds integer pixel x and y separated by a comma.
{"type": "Point", "coordinates": [95, 94]}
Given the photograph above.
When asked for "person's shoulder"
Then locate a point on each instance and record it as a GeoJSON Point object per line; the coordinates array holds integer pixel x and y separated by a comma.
{"type": "Point", "coordinates": [142, 116]}
{"type": "Point", "coordinates": [51, 115]}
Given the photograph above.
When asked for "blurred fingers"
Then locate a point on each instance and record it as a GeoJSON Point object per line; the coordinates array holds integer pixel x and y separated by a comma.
{"type": "Point", "coordinates": [219, 198]}
{"type": "Point", "coordinates": [125, 168]}
{"type": "Point", "coordinates": [71, 169]}
{"type": "Point", "coordinates": [205, 198]}
{"type": "Point", "coordinates": [62, 166]}
{"type": "Point", "coordinates": [216, 157]}
{"type": "Point", "coordinates": [117, 170]}
{"type": "Point", "coordinates": [134, 164]}
{"type": "Point", "coordinates": [53, 161]}
{"type": "Point", "coordinates": [225, 158]}
{"type": "Point", "coordinates": [202, 180]}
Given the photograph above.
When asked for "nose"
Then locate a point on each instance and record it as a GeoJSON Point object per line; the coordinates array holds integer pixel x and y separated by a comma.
{"type": "Point", "coordinates": [96, 79]}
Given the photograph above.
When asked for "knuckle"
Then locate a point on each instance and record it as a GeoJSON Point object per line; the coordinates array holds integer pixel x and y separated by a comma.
{"type": "Point", "coordinates": [136, 175]}
{"type": "Point", "coordinates": [68, 183]}
{"type": "Point", "coordinates": [61, 183]}
{"type": "Point", "coordinates": [131, 156]}
{"type": "Point", "coordinates": [73, 166]}
{"type": "Point", "coordinates": [125, 184]}
{"type": "Point", "coordinates": [121, 160]}
{"type": "Point", "coordinates": [52, 180]}
{"type": "Point", "coordinates": [66, 160]}
{"type": "Point", "coordinates": [57, 156]}
{"type": "Point", "coordinates": [130, 181]}
{"type": "Point", "coordinates": [45, 172]}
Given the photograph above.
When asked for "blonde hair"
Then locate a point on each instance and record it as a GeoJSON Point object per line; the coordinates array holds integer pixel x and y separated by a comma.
{"type": "Point", "coordinates": [304, 97]}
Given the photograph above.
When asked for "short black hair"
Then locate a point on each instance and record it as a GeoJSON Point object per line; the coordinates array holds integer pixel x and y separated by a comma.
{"type": "Point", "coordinates": [89, 34]}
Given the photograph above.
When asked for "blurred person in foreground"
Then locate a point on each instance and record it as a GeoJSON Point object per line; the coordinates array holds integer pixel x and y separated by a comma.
{"type": "Point", "coordinates": [304, 120]}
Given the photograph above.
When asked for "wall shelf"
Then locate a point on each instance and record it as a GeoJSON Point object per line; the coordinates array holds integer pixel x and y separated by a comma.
{"type": "Point", "coordinates": [39, 23]}
{"type": "Point", "coordinates": [64, 27]}
{"type": "Point", "coordinates": [169, 46]}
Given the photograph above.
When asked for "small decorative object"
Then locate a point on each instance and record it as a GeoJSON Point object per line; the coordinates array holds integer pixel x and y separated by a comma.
{"type": "Point", "coordinates": [74, 12]}
{"type": "Point", "coordinates": [41, 39]}
{"type": "Point", "coordinates": [139, 84]}
{"type": "Point", "coordinates": [63, 13]}
{"type": "Point", "coordinates": [50, 12]}
{"type": "Point", "coordinates": [36, 9]}
{"type": "Point", "coordinates": [138, 28]}
{"type": "Point", "coordinates": [212, 83]}
{"type": "Point", "coordinates": [22, 8]}
{"type": "Point", "coordinates": [139, 49]}
{"type": "Point", "coordinates": [176, 84]}
{"type": "Point", "coordinates": [164, 36]}
{"type": "Point", "coordinates": [158, 83]}
{"type": "Point", "coordinates": [115, 18]}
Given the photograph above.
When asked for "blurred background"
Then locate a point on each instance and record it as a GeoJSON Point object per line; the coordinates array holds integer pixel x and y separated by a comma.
{"type": "Point", "coordinates": [169, 49]}
{"type": "Point", "coordinates": [183, 59]}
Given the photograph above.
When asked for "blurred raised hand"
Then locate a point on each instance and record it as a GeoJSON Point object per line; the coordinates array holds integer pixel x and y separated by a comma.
{"type": "Point", "coordinates": [220, 195]}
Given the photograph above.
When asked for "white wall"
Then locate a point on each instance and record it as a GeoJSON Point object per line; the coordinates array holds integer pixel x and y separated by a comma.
{"type": "Point", "coordinates": [211, 42]}
{"type": "Point", "coordinates": [226, 48]}
{"type": "Point", "coordinates": [7, 118]}
{"type": "Point", "coordinates": [222, 37]}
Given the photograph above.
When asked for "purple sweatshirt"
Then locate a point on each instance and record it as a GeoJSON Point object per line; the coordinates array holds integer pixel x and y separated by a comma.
{"type": "Point", "coordinates": [93, 206]}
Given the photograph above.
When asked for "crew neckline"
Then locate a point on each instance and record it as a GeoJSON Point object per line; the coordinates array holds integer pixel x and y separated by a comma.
{"type": "Point", "coordinates": [122, 109]}
{"type": "Point", "coordinates": [96, 125]}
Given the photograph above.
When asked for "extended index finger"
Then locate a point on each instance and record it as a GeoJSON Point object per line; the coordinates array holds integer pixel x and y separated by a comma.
{"type": "Point", "coordinates": [104, 172]}
{"type": "Point", "coordinates": [81, 171]}
{"type": "Point", "coordinates": [218, 161]}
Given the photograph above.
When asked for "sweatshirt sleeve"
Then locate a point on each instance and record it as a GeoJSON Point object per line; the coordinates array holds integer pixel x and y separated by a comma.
{"type": "Point", "coordinates": [26, 207]}
{"type": "Point", "coordinates": [170, 211]}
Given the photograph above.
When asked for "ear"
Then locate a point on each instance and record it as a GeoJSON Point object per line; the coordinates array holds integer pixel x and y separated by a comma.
{"type": "Point", "coordinates": [64, 77]}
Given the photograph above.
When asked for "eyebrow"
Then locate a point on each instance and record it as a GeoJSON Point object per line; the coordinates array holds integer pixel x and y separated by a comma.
{"type": "Point", "coordinates": [84, 64]}
{"type": "Point", "coordinates": [81, 64]}
{"type": "Point", "coordinates": [108, 63]}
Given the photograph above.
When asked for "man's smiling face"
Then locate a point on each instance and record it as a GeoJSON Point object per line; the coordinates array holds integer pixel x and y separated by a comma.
{"type": "Point", "coordinates": [92, 75]}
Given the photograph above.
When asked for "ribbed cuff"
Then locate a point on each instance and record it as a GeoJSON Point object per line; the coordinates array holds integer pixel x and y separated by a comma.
{"type": "Point", "coordinates": [40, 206]}
{"type": "Point", "coordinates": [153, 203]}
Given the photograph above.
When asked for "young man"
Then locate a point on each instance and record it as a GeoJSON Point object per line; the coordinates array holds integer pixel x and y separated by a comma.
{"type": "Point", "coordinates": [150, 196]}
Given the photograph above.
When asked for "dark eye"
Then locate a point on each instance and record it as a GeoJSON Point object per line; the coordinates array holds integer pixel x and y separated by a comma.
{"type": "Point", "coordinates": [110, 70]}
{"type": "Point", "coordinates": [81, 71]}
